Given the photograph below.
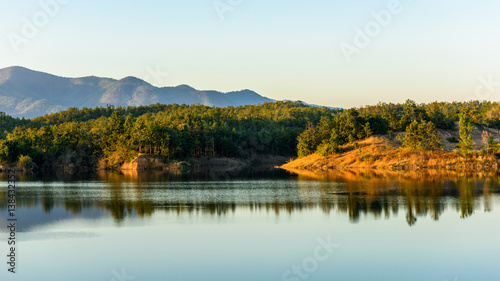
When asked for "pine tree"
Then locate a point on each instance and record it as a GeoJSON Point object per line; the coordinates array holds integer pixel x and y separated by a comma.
{"type": "Point", "coordinates": [430, 136]}
{"type": "Point", "coordinates": [412, 139]}
{"type": "Point", "coordinates": [368, 130]}
{"type": "Point", "coordinates": [422, 136]}
{"type": "Point", "coordinates": [307, 142]}
{"type": "Point", "coordinates": [465, 126]}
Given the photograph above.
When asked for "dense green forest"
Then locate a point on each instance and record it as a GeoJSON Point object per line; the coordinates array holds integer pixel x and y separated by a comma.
{"type": "Point", "coordinates": [178, 132]}
{"type": "Point", "coordinates": [8, 123]}
{"type": "Point", "coordinates": [175, 132]}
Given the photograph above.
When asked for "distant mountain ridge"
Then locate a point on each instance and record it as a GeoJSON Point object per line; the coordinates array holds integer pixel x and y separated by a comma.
{"type": "Point", "coordinates": [28, 93]}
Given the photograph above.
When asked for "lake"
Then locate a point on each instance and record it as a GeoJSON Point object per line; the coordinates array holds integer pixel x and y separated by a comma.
{"type": "Point", "coordinates": [263, 225]}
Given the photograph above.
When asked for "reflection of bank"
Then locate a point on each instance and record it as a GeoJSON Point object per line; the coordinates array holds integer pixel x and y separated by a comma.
{"type": "Point", "coordinates": [356, 194]}
{"type": "Point", "coordinates": [419, 193]}
{"type": "Point", "coordinates": [380, 175]}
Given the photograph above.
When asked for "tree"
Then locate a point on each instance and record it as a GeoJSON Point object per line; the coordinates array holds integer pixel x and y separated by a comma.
{"type": "Point", "coordinates": [306, 142]}
{"type": "Point", "coordinates": [412, 138]}
{"type": "Point", "coordinates": [465, 127]}
{"type": "Point", "coordinates": [430, 139]}
{"type": "Point", "coordinates": [330, 146]}
{"type": "Point", "coordinates": [46, 138]}
{"type": "Point", "coordinates": [323, 129]}
{"type": "Point", "coordinates": [378, 125]}
{"type": "Point", "coordinates": [368, 130]}
{"type": "Point", "coordinates": [422, 136]}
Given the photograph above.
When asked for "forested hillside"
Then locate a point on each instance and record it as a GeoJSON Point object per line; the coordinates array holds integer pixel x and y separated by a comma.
{"type": "Point", "coordinates": [84, 136]}
{"type": "Point", "coordinates": [419, 121]}
{"type": "Point", "coordinates": [179, 132]}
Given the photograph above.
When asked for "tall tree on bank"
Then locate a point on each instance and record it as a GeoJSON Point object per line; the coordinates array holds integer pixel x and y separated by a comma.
{"type": "Point", "coordinates": [306, 142]}
{"type": "Point", "coordinates": [465, 127]}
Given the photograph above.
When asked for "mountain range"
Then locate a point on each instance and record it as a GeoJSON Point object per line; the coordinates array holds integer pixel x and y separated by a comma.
{"type": "Point", "coordinates": [28, 93]}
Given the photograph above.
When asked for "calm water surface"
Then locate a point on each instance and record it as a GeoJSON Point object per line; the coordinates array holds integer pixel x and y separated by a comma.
{"type": "Point", "coordinates": [262, 226]}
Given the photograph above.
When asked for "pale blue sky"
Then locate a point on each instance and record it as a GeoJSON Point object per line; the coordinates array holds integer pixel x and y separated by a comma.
{"type": "Point", "coordinates": [430, 50]}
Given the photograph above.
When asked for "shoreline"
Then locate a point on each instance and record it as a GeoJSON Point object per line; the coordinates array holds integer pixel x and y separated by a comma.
{"type": "Point", "coordinates": [145, 163]}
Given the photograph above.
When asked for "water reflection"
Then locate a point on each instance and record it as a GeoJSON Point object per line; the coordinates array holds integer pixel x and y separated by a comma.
{"type": "Point", "coordinates": [420, 193]}
{"type": "Point", "coordinates": [353, 193]}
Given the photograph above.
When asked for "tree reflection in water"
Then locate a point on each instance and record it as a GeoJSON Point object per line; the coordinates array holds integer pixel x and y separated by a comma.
{"type": "Point", "coordinates": [420, 193]}
{"type": "Point", "coordinates": [354, 193]}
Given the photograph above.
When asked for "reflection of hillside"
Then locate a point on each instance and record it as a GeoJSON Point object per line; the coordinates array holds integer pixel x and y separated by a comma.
{"type": "Point", "coordinates": [261, 171]}
{"type": "Point", "coordinates": [374, 175]}
{"type": "Point", "coordinates": [353, 193]}
{"type": "Point", "coordinates": [420, 193]}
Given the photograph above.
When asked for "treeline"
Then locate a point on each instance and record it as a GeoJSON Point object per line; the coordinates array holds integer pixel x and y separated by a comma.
{"type": "Point", "coordinates": [8, 123]}
{"type": "Point", "coordinates": [82, 137]}
{"type": "Point", "coordinates": [85, 136]}
{"type": "Point", "coordinates": [73, 114]}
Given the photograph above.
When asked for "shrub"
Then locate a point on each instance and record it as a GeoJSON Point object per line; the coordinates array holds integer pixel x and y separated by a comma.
{"type": "Point", "coordinates": [25, 162]}
{"type": "Point", "coordinates": [326, 149]}
{"type": "Point", "coordinates": [452, 140]}
{"type": "Point", "coordinates": [366, 157]}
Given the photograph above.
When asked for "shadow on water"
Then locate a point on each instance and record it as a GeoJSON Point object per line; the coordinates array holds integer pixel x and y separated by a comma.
{"type": "Point", "coordinates": [353, 193]}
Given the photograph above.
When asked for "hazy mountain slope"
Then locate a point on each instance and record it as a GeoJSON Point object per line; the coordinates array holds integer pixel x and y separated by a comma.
{"type": "Point", "coordinates": [27, 93]}
{"type": "Point", "coordinates": [246, 97]}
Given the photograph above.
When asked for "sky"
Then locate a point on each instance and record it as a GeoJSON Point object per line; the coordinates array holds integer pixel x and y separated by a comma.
{"type": "Point", "coordinates": [332, 53]}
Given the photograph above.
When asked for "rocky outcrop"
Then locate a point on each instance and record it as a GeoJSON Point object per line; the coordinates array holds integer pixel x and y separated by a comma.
{"type": "Point", "coordinates": [150, 162]}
